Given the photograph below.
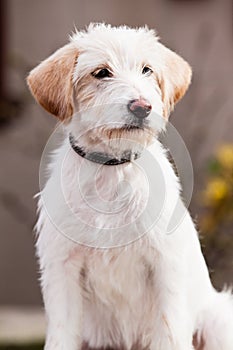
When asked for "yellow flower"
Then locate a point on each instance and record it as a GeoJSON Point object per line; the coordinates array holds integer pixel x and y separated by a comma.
{"type": "Point", "coordinates": [216, 191]}
{"type": "Point", "coordinates": [225, 156]}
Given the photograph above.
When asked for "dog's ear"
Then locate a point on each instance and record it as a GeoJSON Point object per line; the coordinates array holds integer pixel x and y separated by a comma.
{"type": "Point", "coordinates": [174, 79]}
{"type": "Point", "coordinates": [51, 82]}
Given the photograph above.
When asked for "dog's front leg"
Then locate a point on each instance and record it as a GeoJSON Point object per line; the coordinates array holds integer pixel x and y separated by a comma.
{"type": "Point", "coordinates": [63, 304]}
{"type": "Point", "coordinates": [173, 326]}
{"type": "Point", "coordinates": [176, 336]}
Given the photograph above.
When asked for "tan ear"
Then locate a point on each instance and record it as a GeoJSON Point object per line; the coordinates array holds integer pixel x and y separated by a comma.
{"type": "Point", "coordinates": [174, 80]}
{"type": "Point", "coordinates": [51, 82]}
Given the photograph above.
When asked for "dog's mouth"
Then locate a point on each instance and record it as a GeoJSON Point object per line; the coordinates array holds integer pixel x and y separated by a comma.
{"type": "Point", "coordinates": [136, 133]}
{"type": "Point", "coordinates": [128, 127]}
{"type": "Point", "coordinates": [136, 129]}
{"type": "Point", "coordinates": [136, 125]}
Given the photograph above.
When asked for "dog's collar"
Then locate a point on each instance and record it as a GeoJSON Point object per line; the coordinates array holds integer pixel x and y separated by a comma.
{"type": "Point", "coordinates": [100, 157]}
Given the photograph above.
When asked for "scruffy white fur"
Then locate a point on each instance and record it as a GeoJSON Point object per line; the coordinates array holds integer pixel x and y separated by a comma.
{"type": "Point", "coordinates": [155, 291]}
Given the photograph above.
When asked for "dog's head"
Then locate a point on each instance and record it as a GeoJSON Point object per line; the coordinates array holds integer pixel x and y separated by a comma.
{"type": "Point", "coordinates": [112, 83]}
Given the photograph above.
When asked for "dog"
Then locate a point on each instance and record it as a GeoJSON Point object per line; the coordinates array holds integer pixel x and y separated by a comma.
{"type": "Point", "coordinates": [111, 275]}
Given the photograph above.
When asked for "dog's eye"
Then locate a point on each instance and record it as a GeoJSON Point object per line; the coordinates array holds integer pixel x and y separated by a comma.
{"type": "Point", "coordinates": [102, 73]}
{"type": "Point", "coordinates": [147, 70]}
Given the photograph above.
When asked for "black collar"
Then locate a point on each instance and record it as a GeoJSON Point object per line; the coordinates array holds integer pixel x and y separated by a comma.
{"type": "Point", "coordinates": [100, 157]}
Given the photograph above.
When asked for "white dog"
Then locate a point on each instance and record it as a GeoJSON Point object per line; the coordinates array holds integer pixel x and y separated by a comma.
{"type": "Point", "coordinates": [111, 275]}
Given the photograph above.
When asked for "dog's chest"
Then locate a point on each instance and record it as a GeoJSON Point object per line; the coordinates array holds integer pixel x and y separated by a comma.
{"type": "Point", "coordinates": [104, 206]}
{"type": "Point", "coordinates": [118, 270]}
{"type": "Point", "coordinates": [118, 288]}
{"type": "Point", "coordinates": [108, 206]}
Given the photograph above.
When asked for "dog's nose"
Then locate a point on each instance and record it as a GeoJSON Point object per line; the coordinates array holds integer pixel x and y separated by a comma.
{"type": "Point", "coordinates": [141, 108]}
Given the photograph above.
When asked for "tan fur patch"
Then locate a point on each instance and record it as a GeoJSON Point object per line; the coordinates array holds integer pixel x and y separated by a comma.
{"type": "Point", "coordinates": [139, 136]}
{"type": "Point", "coordinates": [51, 82]}
{"type": "Point", "coordinates": [85, 96]}
{"type": "Point", "coordinates": [174, 80]}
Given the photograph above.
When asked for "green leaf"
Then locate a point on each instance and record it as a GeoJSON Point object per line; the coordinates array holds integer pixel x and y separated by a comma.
{"type": "Point", "coordinates": [214, 167]}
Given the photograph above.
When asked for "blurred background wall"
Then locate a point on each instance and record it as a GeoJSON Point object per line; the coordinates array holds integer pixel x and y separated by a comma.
{"type": "Point", "coordinates": [201, 31]}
